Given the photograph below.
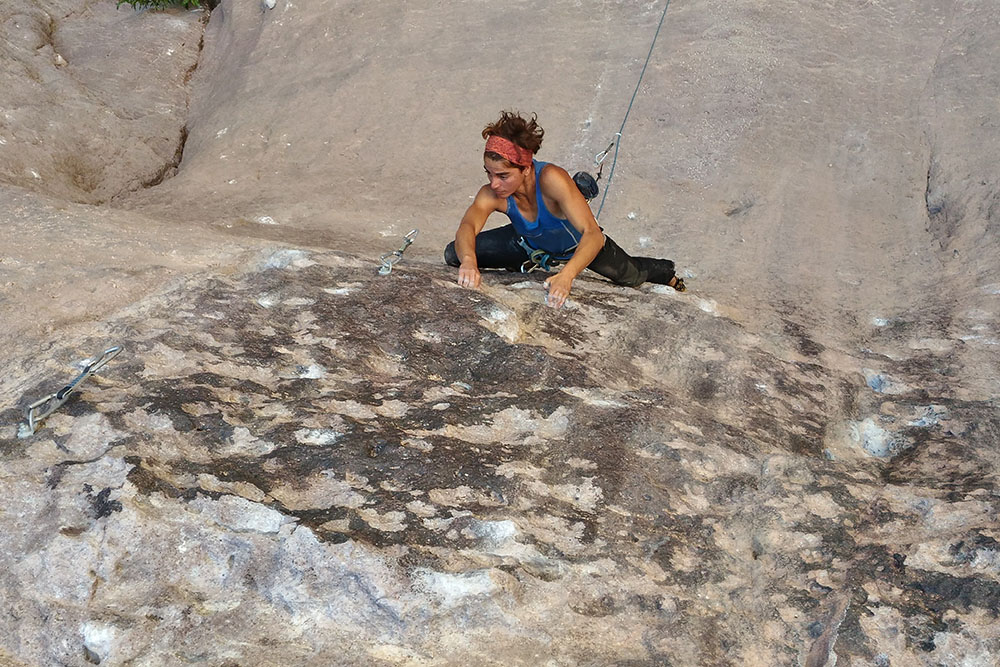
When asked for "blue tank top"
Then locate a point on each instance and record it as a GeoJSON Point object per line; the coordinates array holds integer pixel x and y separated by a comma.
{"type": "Point", "coordinates": [556, 236]}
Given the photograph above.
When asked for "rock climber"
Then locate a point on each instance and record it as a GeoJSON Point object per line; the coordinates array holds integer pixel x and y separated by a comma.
{"type": "Point", "coordinates": [551, 223]}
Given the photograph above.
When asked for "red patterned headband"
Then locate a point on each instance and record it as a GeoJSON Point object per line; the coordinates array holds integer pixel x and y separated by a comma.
{"type": "Point", "coordinates": [508, 149]}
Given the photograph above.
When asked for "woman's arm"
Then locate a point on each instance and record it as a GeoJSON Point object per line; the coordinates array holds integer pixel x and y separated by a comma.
{"type": "Point", "coordinates": [557, 184]}
{"type": "Point", "coordinates": [465, 238]}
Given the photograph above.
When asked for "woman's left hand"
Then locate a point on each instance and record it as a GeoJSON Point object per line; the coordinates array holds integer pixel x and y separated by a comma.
{"type": "Point", "coordinates": [558, 287]}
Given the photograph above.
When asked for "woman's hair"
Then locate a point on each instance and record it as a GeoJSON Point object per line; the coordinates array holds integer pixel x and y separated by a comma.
{"type": "Point", "coordinates": [526, 133]}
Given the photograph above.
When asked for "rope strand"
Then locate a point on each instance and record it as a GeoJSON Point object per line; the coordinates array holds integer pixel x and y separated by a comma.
{"type": "Point", "coordinates": [614, 161]}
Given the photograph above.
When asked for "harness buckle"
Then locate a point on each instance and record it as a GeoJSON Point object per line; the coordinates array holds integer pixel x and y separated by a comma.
{"type": "Point", "coordinates": [537, 259]}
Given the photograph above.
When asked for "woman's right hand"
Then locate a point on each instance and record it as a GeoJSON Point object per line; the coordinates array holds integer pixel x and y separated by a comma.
{"type": "Point", "coordinates": [469, 276]}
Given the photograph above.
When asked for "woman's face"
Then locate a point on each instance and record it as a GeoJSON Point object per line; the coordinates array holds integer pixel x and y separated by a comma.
{"type": "Point", "coordinates": [504, 179]}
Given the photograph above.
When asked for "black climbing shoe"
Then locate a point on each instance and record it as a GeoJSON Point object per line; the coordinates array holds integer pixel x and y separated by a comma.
{"type": "Point", "coordinates": [660, 271]}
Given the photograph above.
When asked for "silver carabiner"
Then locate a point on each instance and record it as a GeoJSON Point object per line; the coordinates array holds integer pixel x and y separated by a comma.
{"type": "Point", "coordinates": [600, 157]}
{"type": "Point", "coordinates": [390, 259]}
{"type": "Point", "coordinates": [53, 402]}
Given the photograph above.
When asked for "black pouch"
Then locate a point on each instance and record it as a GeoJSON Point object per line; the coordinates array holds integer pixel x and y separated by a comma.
{"type": "Point", "coordinates": [587, 184]}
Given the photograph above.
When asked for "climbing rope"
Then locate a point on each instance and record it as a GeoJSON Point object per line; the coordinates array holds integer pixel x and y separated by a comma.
{"type": "Point", "coordinates": [42, 408]}
{"type": "Point", "coordinates": [389, 259]}
{"type": "Point", "coordinates": [599, 158]}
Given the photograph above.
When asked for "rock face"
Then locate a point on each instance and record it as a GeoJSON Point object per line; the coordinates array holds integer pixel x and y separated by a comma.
{"type": "Point", "coordinates": [95, 99]}
{"type": "Point", "coordinates": [295, 461]}
{"type": "Point", "coordinates": [311, 463]}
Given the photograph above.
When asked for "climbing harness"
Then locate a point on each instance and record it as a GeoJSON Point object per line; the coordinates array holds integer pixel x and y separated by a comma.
{"type": "Point", "coordinates": [389, 259]}
{"type": "Point", "coordinates": [42, 408]}
{"type": "Point", "coordinates": [599, 159]}
{"type": "Point", "coordinates": [537, 259]}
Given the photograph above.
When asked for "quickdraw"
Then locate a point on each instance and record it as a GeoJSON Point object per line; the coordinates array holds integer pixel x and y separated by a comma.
{"type": "Point", "coordinates": [537, 259]}
{"type": "Point", "coordinates": [599, 158]}
{"type": "Point", "coordinates": [42, 408]}
{"type": "Point", "coordinates": [390, 259]}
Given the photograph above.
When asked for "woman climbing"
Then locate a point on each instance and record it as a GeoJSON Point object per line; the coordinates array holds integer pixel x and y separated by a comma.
{"type": "Point", "coordinates": [550, 221]}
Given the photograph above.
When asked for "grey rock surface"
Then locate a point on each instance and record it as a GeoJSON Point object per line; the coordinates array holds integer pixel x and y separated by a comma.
{"type": "Point", "coordinates": [309, 463]}
{"type": "Point", "coordinates": [295, 461]}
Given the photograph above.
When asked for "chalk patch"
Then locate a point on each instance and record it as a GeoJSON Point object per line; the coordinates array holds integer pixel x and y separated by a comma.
{"type": "Point", "coordinates": [928, 416]}
{"type": "Point", "coordinates": [343, 289]}
{"type": "Point", "coordinates": [240, 514]}
{"type": "Point", "coordinates": [282, 259]}
{"type": "Point", "coordinates": [709, 306]}
{"type": "Point", "coordinates": [312, 372]}
{"type": "Point", "coordinates": [503, 322]}
{"type": "Point", "coordinates": [265, 220]}
{"type": "Point", "coordinates": [317, 436]}
{"type": "Point", "coordinates": [98, 638]}
{"type": "Point", "coordinates": [452, 589]}
{"type": "Point", "coordinates": [883, 384]}
{"type": "Point", "coordinates": [873, 438]}
{"type": "Point", "coordinates": [494, 532]}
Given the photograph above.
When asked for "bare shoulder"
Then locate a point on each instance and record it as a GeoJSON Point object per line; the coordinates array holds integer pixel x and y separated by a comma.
{"type": "Point", "coordinates": [486, 199]}
{"type": "Point", "coordinates": [555, 181]}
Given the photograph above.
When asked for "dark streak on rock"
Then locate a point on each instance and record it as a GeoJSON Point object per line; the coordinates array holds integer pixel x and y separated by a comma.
{"type": "Point", "coordinates": [100, 505]}
{"type": "Point", "coordinates": [806, 345]}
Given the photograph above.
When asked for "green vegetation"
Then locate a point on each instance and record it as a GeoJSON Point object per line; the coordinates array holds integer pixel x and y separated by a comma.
{"type": "Point", "coordinates": [160, 4]}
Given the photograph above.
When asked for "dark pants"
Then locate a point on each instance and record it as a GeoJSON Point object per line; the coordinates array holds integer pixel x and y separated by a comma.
{"type": "Point", "coordinates": [498, 249]}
